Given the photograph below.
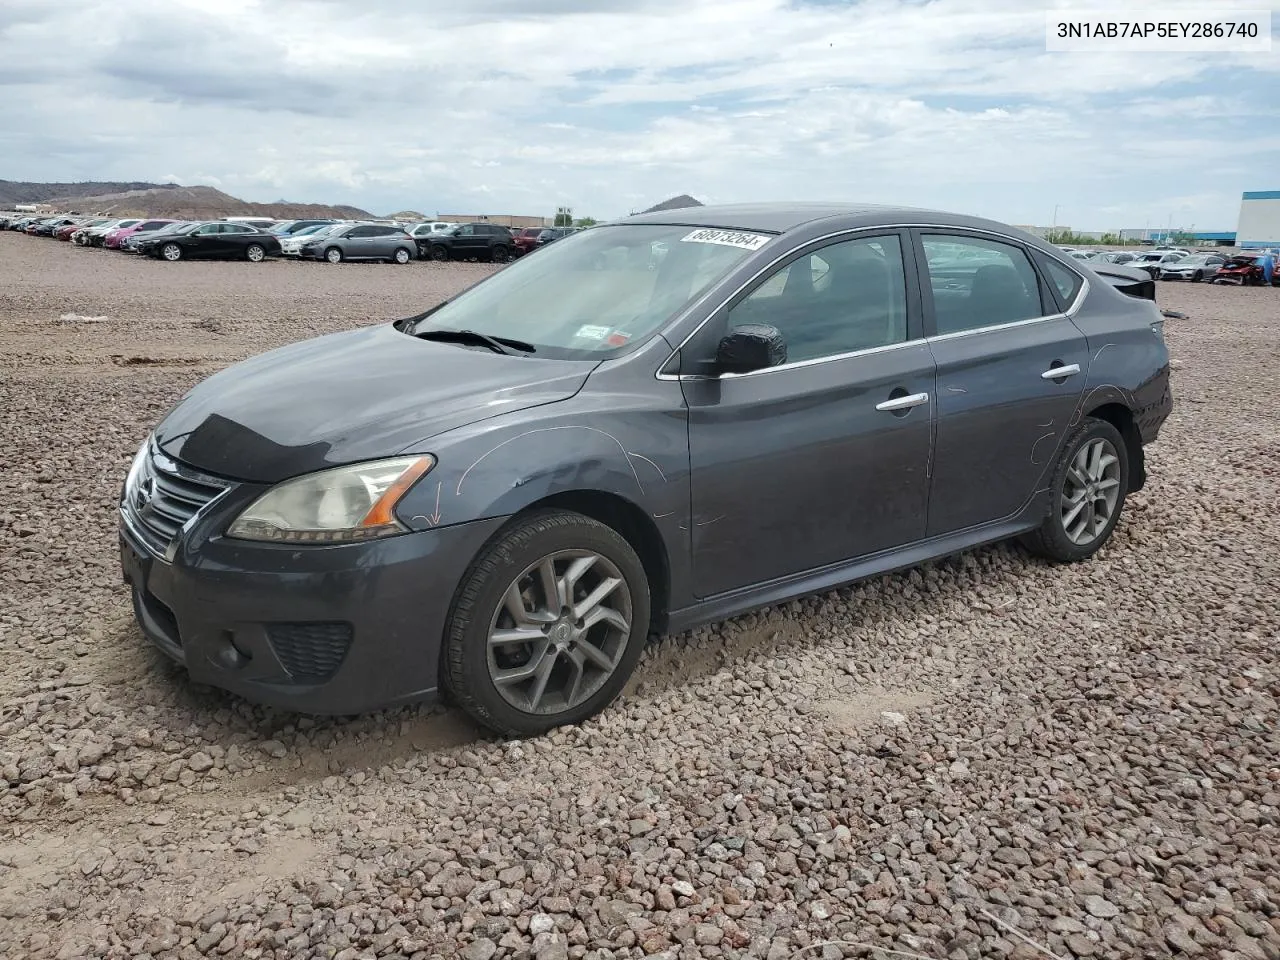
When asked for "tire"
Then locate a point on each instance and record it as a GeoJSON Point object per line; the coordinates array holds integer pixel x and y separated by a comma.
{"type": "Point", "coordinates": [333, 255]}
{"type": "Point", "coordinates": [1197, 277]}
{"type": "Point", "coordinates": [499, 254]}
{"type": "Point", "coordinates": [171, 252]}
{"type": "Point", "coordinates": [255, 253]}
{"type": "Point", "coordinates": [438, 253]}
{"type": "Point", "coordinates": [1066, 536]}
{"type": "Point", "coordinates": [402, 255]}
{"type": "Point", "coordinates": [583, 685]}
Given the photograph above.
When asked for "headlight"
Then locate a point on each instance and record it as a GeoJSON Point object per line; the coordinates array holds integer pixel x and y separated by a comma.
{"type": "Point", "coordinates": [135, 468]}
{"type": "Point", "coordinates": [342, 505]}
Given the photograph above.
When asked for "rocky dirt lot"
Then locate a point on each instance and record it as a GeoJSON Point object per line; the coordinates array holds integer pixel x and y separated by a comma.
{"type": "Point", "coordinates": [963, 761]}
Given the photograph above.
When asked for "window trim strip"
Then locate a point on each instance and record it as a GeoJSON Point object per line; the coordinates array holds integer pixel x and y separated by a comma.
{"type": "Point", "coordinates": [1069, 312]}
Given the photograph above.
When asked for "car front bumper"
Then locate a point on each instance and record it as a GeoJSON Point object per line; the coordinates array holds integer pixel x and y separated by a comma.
{"type": "Point", "coordinates": [340, 629]}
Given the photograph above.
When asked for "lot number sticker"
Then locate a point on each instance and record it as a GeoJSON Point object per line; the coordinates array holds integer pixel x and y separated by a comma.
{"type": "Point", "coordinates": [728, 238]}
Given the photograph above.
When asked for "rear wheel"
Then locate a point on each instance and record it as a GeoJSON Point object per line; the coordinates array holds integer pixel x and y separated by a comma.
{"type": "Point", "coordinates": [500, 254]}
{"type": "Point", "coordinates": [547, 625]}
{"type": "Point", "coordinates": [402, 255]}
{"type": "Point", "coordinates": [171, 252]}
{"type": "Point", "coordinates": [333, 255]}
{"type": "Point", "coordinates": [1089, 486]}
{"type": "Point", "coordinates": [255, 253]}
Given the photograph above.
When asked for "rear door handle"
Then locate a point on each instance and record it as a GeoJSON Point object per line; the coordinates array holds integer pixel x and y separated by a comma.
{"type": "Point", "coordinates": [903, 403]}
{"type": "Point", "coordinates": [1061, 373]}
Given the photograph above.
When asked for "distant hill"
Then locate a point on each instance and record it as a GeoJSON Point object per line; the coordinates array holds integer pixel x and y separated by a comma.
{"type": "Point", "coordinates": [189, 203]}
{"type": "Point", "coordinates": [675, 203]}
{"type": "Point", "coordinates": [17, 191]}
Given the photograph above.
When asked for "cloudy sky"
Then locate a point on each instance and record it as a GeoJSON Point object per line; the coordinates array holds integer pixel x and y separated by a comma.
{"type": "Point", "coordinates": [517, 106]}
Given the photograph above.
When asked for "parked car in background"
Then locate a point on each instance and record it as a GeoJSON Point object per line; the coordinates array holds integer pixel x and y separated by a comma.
{"type": "Point", "coordinates": [1195, 267]}
{"type": "Point", "coordinates": [130, 244]}
{"type": "Point", "coordinates": [1117, 256]}
{"type": "Point", "coordinates": [289, 228]}
{"type": "Point", "coordinates": [361, 241]}
{"type": "Point", "coordinates": [552, 234]}
{"type": "Point", "coordinates": [218, 240]}
{"type": "Point", "coordinates": [69, 230]}
{"type": "Point", "coordinates": [92, 236]}
{"type": "Point", "coordinates": [264, 223]}
{"type": "Point", "coordinates": [1152, 263]}
{"type": "Point", "coordinates": [524, 240]}
{"type": "Point", "coordinates": [1244, 269]}
{"type": "Point", "coordinates": [481, 241]}
{"type": "Point", "coordinates": [114, 238]}
{"type": "Point", "coordinates": [496, 497]}
{"type": "Point", "coordinates": [291, 244]}
{"type": "Point", "coordinates": [46, 227]}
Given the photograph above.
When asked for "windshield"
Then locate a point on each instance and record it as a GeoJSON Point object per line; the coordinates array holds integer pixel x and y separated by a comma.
{"type": "Point", "coordinates": [598, 291]}
{"type": "Point", "coordinates": [316, 228]}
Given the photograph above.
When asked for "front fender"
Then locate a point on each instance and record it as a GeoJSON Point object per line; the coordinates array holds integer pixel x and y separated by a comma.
{"type": "Point", "coordinates": [500, 467]}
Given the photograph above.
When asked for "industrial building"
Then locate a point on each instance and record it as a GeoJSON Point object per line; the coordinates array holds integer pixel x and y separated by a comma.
{"type": "Point", "coordinates": [1259, 224]}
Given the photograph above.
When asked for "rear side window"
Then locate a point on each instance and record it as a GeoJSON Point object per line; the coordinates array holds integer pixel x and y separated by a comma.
{"type": "Point", "coordinates": [978, 282]}
{"type": "Point", "coordinates": [1066, 282]}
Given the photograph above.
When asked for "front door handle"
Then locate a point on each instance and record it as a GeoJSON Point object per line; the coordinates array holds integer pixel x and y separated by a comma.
{"type": "Point", "coordinates": [903, 403]}
{"type": "Point", "coordinates": [1061, 373]}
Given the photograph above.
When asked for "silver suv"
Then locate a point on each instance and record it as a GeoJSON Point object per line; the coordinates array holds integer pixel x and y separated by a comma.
{"type": "Point", "coordinates": [361, 241]}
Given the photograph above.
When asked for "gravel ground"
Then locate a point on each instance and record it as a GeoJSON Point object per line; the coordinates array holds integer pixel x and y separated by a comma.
{"type": "Point", "coordinates": [961, 761]}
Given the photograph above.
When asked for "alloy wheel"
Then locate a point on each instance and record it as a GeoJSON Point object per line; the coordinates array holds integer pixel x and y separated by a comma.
{"type": "Point", "coordinates": [560, 632]}
{"type": "Point", "coordinates": [1090, 491]}
{"type": "Point", "coordinates": [171, 252]}
{"type": "Point", "coordinates": [255, 253]}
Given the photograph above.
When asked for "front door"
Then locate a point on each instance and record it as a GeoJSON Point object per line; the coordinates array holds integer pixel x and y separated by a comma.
{"type": "Point", "coordinates": [997, 337]}
{"type": "Point", "coordinates": [825, 457]}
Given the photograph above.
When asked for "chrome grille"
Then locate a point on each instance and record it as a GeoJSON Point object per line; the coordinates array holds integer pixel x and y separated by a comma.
{"type": "Point", "coordinates": [163, 496]}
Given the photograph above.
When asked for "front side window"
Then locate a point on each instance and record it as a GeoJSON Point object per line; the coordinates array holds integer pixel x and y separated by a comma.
{"type": "Point", "coordinates": [599, 291]}
{"type": "Point", "coordinates": [979, 283]}
{"type": "Point", "coordinates": [838, 299]}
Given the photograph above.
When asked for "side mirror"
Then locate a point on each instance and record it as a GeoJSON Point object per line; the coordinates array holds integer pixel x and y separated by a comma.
{"type": "Point", "coordinates": [752, 346]}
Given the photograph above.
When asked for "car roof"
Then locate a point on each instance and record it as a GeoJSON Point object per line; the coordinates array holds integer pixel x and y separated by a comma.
{"type": "Point", "coordinates": [782, 217]}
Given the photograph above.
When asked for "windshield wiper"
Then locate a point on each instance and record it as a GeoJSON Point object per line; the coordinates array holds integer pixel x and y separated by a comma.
{"type": "Point", "coordinates": [496, 344]}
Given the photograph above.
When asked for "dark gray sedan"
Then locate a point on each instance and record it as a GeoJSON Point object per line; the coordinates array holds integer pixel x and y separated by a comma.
{"type": "Point", "coordinates": [503, 496]}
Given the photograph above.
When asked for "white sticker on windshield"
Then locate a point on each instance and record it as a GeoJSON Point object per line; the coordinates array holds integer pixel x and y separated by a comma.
{"type": "Point", "coordinates": [593, 332]}
{"type": "Point", "coordinates": [728, 238]}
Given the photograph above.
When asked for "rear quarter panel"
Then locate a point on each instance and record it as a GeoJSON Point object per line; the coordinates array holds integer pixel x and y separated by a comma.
{"type": "Point", "coordinates": [1128, 359]}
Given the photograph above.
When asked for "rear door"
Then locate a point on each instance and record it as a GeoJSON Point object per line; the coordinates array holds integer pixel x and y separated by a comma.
{"type": "Point", "coordinates": [825, 457]}
{"type": "Point", "coordinates": [380, 242]}
{"type": "Point", "coordinates": [997, 334]}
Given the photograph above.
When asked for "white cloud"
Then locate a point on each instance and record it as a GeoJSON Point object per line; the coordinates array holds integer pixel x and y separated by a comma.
{"type": "Point", "coordinates": [527, 104]}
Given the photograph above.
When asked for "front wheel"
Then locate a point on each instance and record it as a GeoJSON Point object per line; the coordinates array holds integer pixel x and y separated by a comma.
{"type": "Point", "coordinates": [402, 255]}
{"type": "Point", "coordinates": [171, 252]}
{"type": "Point", "coordinates": [333, 255]}
{"type": "Point", "coordinates": [438, 253]}
{"type": "Point", "coordinates": [255, 253]}
{"type": "Point", "coordinates": [1088, 488]}
{"type": "Point", "coordinates": [547, 625]}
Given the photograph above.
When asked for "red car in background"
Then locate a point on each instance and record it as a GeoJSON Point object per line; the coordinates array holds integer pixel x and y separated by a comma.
{"type": "Point", "coordinates": [1244, 270]}
{"type": "Point", "coordinates": [65, 232]}
{"type": "Point", "coordinates": [526, 239]}
{"type": "Point", "coordinates": [117, 237]}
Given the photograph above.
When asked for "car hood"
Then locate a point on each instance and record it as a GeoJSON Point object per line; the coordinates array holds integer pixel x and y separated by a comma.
{"type": "Point", "coordinates": [349, 397]}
